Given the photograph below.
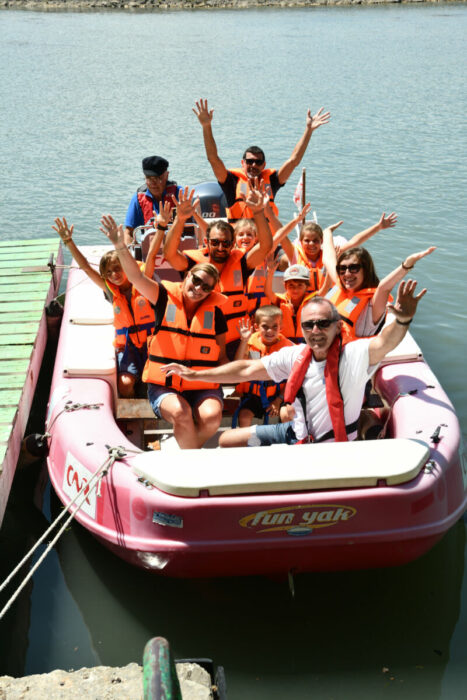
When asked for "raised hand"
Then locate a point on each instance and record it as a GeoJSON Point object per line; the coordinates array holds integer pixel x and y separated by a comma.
{"type": "Point", "coordinates": [333, 227]}
{"type": "Point", "coordinates": [62, 229]}
{"type": "Point", "coordinates": [410, 261]}
{"type": "Point", "coordinates": [165, 214]}
{"type": "Point", "coordinates": [387, 221]}
{"type": "Point", "coordinates": [406, 303]}
{"type": "Point", "coordinates": [203, 113]}
{"type": "Point", "coordinates": [257, 196]}
{"type": "Point", "coordinates": [301, 216]}
{"type": "Point", "coordinates": [245, 328]}
{"type": "Point", "coordinates": [113, 232]}
{"type": "Point", "coordinates": [317, 119]}
{"type": "Point", "coordinates": [186, 204]}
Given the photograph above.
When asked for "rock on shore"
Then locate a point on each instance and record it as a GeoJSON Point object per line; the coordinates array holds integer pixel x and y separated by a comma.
{"type": "Point", "coordinates": [155, 5]}
{"type": "Point", "coordinates": [101, 683]}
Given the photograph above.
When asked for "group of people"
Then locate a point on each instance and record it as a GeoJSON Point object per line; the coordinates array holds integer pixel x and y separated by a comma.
{"type": "Point", "coordinates": [304, 355]}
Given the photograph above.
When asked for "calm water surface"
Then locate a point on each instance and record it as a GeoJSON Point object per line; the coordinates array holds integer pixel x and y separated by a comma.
{"type": "Point", "coordinates": [83, 98]}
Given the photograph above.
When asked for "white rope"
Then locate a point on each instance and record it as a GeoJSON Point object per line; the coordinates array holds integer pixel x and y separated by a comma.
{"type": "Point", "coordinates": [115, 453]}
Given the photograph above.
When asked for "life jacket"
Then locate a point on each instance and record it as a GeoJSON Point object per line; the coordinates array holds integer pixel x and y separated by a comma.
{"type": "Point", "coordinates": [267, 389]}
{"type": "Point", "coordinates": [291, 327]}
{"type": "Point", "coordinates": [350, 305]}
{"type": "Point", "coordinates": [230, 285]}
{"type": "Point", "coordinates": [294, 389]}
{"type": "Point", "coordinates": [191, 344]}
{"type": "Point", "coordinates": [146, 201]}
{"type": "Point", "coordinates": [317, 273]}
{"type": "Point", "coordinates": [239, 210]}
{"type": "Point", "coordinates": [134, 321]}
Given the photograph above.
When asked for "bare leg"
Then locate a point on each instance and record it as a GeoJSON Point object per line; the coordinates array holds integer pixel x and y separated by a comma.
{"type": "Point", "coordinates": [238, 437]}
{"type": "Point", "coordinates": [208, 416]}
{"type": "Point", "coordinates": [177, 411]}
{"type": "Point", "coordinates": [126, 385]}
{"type": "Point", "coordinates": [245, 418]}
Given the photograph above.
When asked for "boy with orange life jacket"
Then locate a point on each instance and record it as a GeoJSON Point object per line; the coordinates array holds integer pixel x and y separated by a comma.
{"type": "Point", "coordinates": [296, 281]}
{"type": "Point", "coordinates": [236, 183]}
{"type": "Point", "coordinates": [133, 315]}
{"type": "Point", "coordinates": [260, 399]}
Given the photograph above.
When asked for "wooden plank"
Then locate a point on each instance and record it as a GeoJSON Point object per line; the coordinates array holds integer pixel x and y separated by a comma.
{"type": "Point", "coordinates": [27, 316]}
{"type": "Point", "coordinates": [30, 274]}
{"type": "Point", "coordinates": [5, 430]}
{"type": "Point", "coordinates": [13, 366]}
{"type": "Point", "coordinates": [15, 328]}
{"type": "Point", "coordinates": [34, 295]}
{"type": "Point", "coordinates": [29, 243]}
{"type": "Point", "coordinates": [28, 284]}
{"type": "Point", "coordinates": [17, 352]}
{"type": "Point", "coordinates": [13, 381]}
{"type": "Point", "coordinates": [35, 255]}
{"type": "Point", "coordinates": [20, 306]}
{"type": "Point", "coordinates": [10, 397]}
{"type": "Point", "coordinates": [20, 339]}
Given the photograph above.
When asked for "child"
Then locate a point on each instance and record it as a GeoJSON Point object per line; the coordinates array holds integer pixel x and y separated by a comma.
{"type": "Point", "coordinates": [259, 399]}
{"type": "Point", "coordinates": [296, 283]}
{"type": "Point", "coordinates": [133, 315]}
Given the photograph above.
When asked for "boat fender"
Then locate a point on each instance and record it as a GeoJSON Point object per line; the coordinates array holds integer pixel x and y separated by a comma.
{"type": "Point", "coordinates": [54, 314]}
{"type": "Point", "coordinates": [33, 447]}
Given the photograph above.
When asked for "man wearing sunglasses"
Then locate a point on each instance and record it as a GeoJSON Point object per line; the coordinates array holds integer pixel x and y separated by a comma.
{"type": "Point", "coordinates": [145, 203]}
{"type": "Point", "coordinates": [334, 379]}
{"type": "Point", "coordinates": [234, 265]}
{"type": "Point", "coordinates": [236, 182]}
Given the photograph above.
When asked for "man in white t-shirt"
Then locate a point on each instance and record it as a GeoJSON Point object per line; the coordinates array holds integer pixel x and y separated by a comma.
{"type": "Point", "coordinates": [359, 359]}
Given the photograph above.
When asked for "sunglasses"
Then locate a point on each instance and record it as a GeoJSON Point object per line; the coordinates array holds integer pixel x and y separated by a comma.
{"type": "Point", "coordinates": [254, 161]}
{"type": "Point", "coordinates": [218, 243]}
{"type": "Point", "coordinates": [198, 282]}
{"type": "Point", "coordinates": [320, 324]}
{"type": "Point", "coordinates": [355, 267]}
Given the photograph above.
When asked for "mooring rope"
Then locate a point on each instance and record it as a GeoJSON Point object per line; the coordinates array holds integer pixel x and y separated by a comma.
{"type": "Point", "coordinates": [115, 453]}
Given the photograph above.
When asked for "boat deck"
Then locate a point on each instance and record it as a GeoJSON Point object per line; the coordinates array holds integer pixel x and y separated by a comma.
{"type": "Point", "coordinates": [26, 286]}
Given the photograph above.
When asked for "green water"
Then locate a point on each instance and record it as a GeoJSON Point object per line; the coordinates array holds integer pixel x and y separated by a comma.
{"type": "Point", "coordinates": [83, 98]}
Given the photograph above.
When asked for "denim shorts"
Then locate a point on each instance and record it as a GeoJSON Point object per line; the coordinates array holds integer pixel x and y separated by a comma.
{"type": "Point", "coordinates": [156, 394]}
{"type": "Point", "coordinates": [275, 434]}
{"type": "Point", "coordinates": [132, 360]}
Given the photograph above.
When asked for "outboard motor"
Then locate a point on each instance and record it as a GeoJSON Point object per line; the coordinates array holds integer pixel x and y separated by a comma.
{"type": "Point", "coordinates": [212, 200]}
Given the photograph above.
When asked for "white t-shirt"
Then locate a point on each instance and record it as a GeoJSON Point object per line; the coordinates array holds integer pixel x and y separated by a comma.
{"type": "Point", "coordinates": [354, 372]}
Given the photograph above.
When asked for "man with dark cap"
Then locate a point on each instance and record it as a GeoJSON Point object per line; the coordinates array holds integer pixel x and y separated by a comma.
{"type": "Point", "coordinates": [145, 202]}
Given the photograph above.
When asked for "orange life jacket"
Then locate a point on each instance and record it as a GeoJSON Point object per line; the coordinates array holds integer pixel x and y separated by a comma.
{"type": "Point", "coordinates": [317, 273]}
{"type": "Point", "coordinates": [255, 288]}
{"type": "Point", "coordinates": [191, 344]}
{"type": "Point", "coordinates": [134, 321]}
{"type": "Point", "coordinates": [293, 390]}
{"type": "Point", "coordinates": [256, 348]}
{"type": "Point", "coordinates": [230, 285]}
{"type": "Point", "coordinates": [291, 327]}
{"type": "Point", "coordinates": [239, 210]}
{"type": "Point", "coordinates": [350, 305]}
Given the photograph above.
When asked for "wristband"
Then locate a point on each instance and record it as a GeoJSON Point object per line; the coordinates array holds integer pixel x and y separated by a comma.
{"type": "Point", "coordinates": [121, 248]}
{"type": "Point", "coordinates": [404, 323]}
{"type": "Point", "coordinates": [162, 228]}
{"type": "Point", "coordinates": [404, 267]}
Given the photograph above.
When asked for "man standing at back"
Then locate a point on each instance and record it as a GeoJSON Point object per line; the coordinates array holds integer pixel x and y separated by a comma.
{"type": "Point", "coordinates": [235, 183]}
{"type": "Point", "coordinates": [144, 205]}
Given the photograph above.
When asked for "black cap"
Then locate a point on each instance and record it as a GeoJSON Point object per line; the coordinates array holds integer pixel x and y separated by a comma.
{"type": "Point", "coordinates": [154, 165]}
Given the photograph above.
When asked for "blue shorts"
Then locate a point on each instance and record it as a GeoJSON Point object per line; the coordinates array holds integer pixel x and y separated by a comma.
{"type": "Point", "coordinates": [132, 360]}
{"type": "Point", "coordinates": [275, 434]}
{"type": "Point", "coordinates": [156, 394]}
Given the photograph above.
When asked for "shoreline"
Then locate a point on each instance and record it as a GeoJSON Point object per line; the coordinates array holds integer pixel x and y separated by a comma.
{"type": "Point", "coordinates": [163, 5]}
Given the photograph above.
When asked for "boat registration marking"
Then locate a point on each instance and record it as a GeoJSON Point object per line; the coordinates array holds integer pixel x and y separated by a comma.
{"type": "Point", "coordinates": [75, 476]}
{"type": "Point", "coordinates": [297, 520]}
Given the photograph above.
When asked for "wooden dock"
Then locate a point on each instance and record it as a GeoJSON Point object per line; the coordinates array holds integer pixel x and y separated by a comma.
{"type": "Point", "coordinates": [26, 286]}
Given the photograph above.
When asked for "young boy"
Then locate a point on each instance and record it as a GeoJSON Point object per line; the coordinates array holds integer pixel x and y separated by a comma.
{"type": "Point", "coordinates": [296, 283]}
{"type": "Point", "coordinates": [259, 399]}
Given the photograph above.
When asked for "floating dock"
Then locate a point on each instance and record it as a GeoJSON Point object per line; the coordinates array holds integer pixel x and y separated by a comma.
{"type": "Point", "coordinates": [28, 281]}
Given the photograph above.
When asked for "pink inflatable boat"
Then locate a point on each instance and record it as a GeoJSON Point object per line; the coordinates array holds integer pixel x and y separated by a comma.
{"type": "Point", "coordinates": [257, 510]}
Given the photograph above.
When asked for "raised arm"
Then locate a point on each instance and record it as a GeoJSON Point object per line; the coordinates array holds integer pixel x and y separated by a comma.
{"type": "Point", "coordinates": [204, 115]}
{"type": "Point", "coordinates": [329, 253]}
{"type": "Point", "coordinates": [66, 234]}
{"type": "Point", "coordinates": [280, 237]}
{"type": "Point", "coordinates": [201, 226]}
{"type": "Point", "coordinates": [145, 286]}
{"type": "Point", "coordinates": [256, 201]}
{"type": "Point", "coordinates": [231, 373]}
{"type": "Point", "coordinates": [359, 239]}
{"type": "Point", "coordinates": [162, 223]}
{"type": "Point", "coordinates": [271, 266]}
{"type": "Point", "coordinates": [381, 296]}
{"type": "Point", "coordinates": [185, 209]}
{"type": "Point", "coordinates": [404, 310]}
{"type": "Point", "coordinates": [312, 123]}
{"type": "Point", "coordinates": [245, 329]}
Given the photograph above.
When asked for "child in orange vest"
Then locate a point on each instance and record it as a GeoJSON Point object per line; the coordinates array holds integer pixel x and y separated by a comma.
{"type": "Point", "coordinates": [259, 399]}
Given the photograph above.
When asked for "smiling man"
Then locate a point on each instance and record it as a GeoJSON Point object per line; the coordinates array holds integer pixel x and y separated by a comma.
{"type": "Point", "coordinates": [327, 391]}
{"type": "Point", "coordinates": [144, 205]}
{"type": "Point", "coordinates": [235, 183]}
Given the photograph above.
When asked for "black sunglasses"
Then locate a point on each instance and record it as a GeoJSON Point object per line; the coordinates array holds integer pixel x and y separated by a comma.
{"type": "Point", "coordinates": [219, 243]}
{"type": "Point", "coordinates": [198, 282]}
{"type": "Point", "coordinates": [254, 161]}
{"type": "Point", "coordinates": [354, 267]}
{"type": "Point", "coordinates": [320, 324]}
